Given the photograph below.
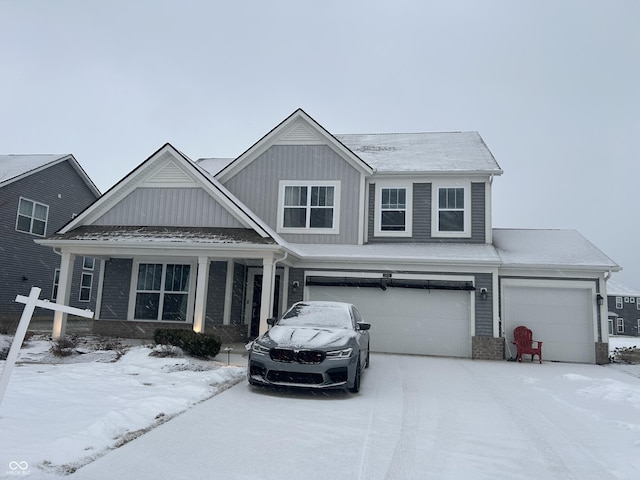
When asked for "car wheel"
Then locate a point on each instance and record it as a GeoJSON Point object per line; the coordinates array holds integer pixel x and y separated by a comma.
{"type": "Point", "coordinates": [356, 381]}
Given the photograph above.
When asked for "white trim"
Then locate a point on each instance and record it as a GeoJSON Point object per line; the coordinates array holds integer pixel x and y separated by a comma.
{"type": "Point", "coordinates": [336, 184]}
{"type": "Point", "coordinates": [84, 261]}
{"type": "Point", "coordinates": [191, 294]}
{"type": "Point", "coordinates": [619, 325]}
{"type": "Point", "coordinates": [102, 267]}
{"type": "Point", "coordinates": [228, 293]}
{"type": "Point", "coordinates": [435, 208]}
{"type": "Point", "coordinates": [408, 221]}
{"type": "Point", "coordinates": [363, 210]}
{"type": "Point", "coordinates": [619, 303]}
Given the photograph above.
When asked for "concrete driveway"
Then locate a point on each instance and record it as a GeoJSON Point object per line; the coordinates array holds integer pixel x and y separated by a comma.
{"type": "Point", "coordinates": [415, 418]}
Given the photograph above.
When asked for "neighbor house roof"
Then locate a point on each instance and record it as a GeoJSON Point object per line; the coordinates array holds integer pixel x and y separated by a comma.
{"type": "Point", "coordinates": [617, 289]}
{"type": "Point", "coordinates": [434, 153]}
{"type": "Point", "coordinates": [16, 167]}
{"type": "Point", "coordinates": [549, 249]}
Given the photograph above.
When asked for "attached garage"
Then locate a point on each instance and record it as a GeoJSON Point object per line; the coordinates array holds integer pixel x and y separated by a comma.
{"type": "Point", "coordinates": [561, 314]}
{"type": "Point", "coordinates": [409, 319]}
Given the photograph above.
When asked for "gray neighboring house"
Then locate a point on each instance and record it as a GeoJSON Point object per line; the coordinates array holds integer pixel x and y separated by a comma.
{"type": "Point", "coordinates": [624, 309]}
{"type": "Point", "coordinates": [398, 224]}
{"type": "Point", "coordinates": [39, 194]}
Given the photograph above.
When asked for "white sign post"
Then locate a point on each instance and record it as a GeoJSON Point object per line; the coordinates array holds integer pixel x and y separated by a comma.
{"type": "Point", "coordinates": [31, 302]}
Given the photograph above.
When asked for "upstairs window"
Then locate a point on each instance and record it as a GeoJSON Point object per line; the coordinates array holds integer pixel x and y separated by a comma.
{"type": "Point", "coordinates": [32, 217]}
{"type": "Point", "coordinates": [619, 303]}
{"type": "Point", "coordinates": [451, 211]}
{"type": "Point", "coordinates": [638, 304]}
{"type": "Point", "coordinates": [309, 207]}
{"type": "Point", "coordinates": [393, 210]}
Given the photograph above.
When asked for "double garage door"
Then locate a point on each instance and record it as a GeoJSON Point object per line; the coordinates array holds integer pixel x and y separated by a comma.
{"type": "Point", "coordinates": [561, 316]}
{"type": "Point", "coordinates": [409, 320]}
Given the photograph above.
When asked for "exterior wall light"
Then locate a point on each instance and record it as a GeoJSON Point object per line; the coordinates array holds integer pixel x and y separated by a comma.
{"type": "Point", "coordinates": [483, 293]}
{"type": "Point", "coordinates": [600, 299]}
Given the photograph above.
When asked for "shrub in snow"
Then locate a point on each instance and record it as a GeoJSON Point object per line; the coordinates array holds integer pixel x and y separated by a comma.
{"type": "Point", "coordinates": [198, 345]}
{"type": "Point", "coordinates": [628, 355]}
{"type": "Point", "coordinates": [64, 346]}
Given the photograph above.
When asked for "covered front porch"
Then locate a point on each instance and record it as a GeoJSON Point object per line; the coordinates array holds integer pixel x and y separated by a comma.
{"type": "Point", "coordinates": [223, 281]}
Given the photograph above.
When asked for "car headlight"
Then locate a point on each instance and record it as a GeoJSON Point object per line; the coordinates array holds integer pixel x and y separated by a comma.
{"type": "Point", "coordinates": [339, 354]}
{"type": "Point", "coordinates": [259, 349]}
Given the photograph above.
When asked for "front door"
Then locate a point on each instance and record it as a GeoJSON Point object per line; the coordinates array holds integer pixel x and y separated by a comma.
{"type": "Point", "coordinates": [255, 287]}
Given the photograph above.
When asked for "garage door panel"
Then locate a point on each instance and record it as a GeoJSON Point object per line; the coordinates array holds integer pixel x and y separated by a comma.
{"type": "Point", "coordinates": [405, 320]}
{"type": "Point", "coordinates": [562, 318]}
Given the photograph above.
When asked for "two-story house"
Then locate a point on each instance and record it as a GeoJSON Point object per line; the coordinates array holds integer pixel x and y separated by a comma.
{"type": "Point", "coordinates": [398, 224]}
{"type": "Point", "coordinates": [39, 194]}
{"type": "Point", "coordinates": [624, 309]}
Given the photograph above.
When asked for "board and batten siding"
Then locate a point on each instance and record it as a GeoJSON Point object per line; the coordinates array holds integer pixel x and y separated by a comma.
{"type": "Point", "coordinates": [169, 207]}
{"type": "Point", "coordinates": [421, 232]}
{"type": "Point", "coordinates": [115, 289]}
{"type": "Point", "coordinates": [258, 183]}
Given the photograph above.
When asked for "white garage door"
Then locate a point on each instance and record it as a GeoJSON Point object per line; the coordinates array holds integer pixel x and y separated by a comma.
{"type": "Point", "coordinates": [409, 320]}
{"type": "Point", "coordinates": [562, 318]}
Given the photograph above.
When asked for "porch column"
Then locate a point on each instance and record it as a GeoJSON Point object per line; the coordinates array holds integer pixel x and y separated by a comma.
{"type": "Point", "coordinates": [64, 291]}
{"type": "Point", "coordinates": [202, 284]}
{"type": "Point", "coordinates": [266, 307]}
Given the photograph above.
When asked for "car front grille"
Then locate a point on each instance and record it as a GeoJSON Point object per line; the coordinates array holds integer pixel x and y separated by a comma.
{"type": "Point", "coordinates": [299, 378]}
{"type": "Point", "coordinates": [301, 356]}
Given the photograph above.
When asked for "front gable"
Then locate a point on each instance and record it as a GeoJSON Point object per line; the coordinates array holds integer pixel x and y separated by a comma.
{"type": "Point", "coordinates": [168, 190]}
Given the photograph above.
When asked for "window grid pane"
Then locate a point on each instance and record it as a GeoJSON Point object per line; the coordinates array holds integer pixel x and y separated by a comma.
{"type": "Point", "coordinates": [308, 206]}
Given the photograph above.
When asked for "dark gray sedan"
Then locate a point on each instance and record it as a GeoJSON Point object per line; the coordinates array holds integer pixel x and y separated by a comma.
{"type": "Point", "coordinates": [314, 345]}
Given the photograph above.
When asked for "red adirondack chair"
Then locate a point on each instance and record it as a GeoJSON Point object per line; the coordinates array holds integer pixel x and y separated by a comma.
{"type": "Point", "coordinates": [523, 340]}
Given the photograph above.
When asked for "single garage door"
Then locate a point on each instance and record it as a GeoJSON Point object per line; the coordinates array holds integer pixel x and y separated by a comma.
{"type": "Point", "coordinates": [562, 318]}
{"type": "Point", "coordinates": [409, 320]}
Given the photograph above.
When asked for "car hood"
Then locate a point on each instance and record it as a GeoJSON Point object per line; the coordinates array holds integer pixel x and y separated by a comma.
{"type": "Point", "coordinates": [307, 337]}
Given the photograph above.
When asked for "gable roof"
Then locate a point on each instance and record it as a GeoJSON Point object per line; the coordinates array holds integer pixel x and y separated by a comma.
{"type": "Point", "coordinates": [615, 288]}
{"type": "Point", "coordinates": [297, 129]}
{"type": "Point", "coordinates": [168, 167]}
{"type": "Point", "coordinates": [549, 249]}
{"type": "Point", "coordinates": [17, 167]}
{"type": "Point", "coordinates": [431, 153]}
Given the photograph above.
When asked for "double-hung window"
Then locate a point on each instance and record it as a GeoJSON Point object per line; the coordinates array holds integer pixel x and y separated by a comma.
{"type": "Point", "coordinates": [32, 217]}
{"type": "Point", "coordinates": [393, 210]}
{"type": "Point", "coordinates": [162, 292]}
{"type": "Point", "coordinates": [620, 325]}
{"type": "Point", "coordinates": [451, 213]}
{"type": "Point", "coordinates": [309, 207]}
{"type": "Point", "coordinates": [619, 303]}
{"type": "Point", "coordinates": [86, 281]}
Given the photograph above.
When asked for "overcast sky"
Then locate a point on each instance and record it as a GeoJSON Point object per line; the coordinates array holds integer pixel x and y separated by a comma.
{"type": "Point", "coordinates": [553, 87]}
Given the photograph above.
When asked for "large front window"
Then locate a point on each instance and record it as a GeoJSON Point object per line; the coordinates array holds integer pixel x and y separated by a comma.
{"type": "Point", "coordinates": [162, 292]}
{"type": "Point", "coordinates": [451, 214]}
{"type": "Point", "coordinates": [309, 208]}
{"type": "Point", "coordinates": [32, 217]}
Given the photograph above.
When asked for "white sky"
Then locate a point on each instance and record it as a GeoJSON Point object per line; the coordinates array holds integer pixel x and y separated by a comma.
{"type": "Point", "coordinates": [551, 85]}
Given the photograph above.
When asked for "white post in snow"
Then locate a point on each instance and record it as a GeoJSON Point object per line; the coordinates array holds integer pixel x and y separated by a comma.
{"type": "Point", "coordinates": [31, 302]}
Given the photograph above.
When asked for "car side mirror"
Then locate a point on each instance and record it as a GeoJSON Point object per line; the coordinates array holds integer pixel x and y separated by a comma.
{"type": "Point", "coordinates": [271, 321]}
{"type": "Point", "coordinates": [363, 326]}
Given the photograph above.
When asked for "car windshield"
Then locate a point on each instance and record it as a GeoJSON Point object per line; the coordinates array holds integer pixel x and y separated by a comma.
{"type": "Point", "coordinates": [325, 315]}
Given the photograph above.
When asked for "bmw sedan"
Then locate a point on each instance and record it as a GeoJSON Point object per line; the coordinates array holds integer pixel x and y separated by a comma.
{"type": "Point", "coordinates": [313, 345]}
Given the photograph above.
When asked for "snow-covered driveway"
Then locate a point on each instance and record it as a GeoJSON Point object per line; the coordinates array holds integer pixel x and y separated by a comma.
{"type": "Point", "coordinates": [415, 418]}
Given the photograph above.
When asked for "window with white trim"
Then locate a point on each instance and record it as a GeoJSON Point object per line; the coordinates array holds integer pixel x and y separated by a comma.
{"type": "Point", "coordinates": [393, 210]}
{"type": "Point", "coordinates": [632, 300]}
{"type": "Point", "coordinates": [32, 217]}
{"type": "Point", "coordinates": [86, 281]}
{"type": "Point", "coordinates": [451, 211]}
{"type": "Point", "coordinates": [620, 325]}
{"type": "Point", "coordinates": [309, 207]}
{"type": "Point", "coordinates": [626, 299]}
{"type": "Point", "coordinates": [56, 282]}
{"type": "Point", "coordinates": [638, 304]}
{"type": "Point", "coordinates": [88, 263]}
{"type": "Point", "coordinates": [619, 303]}
{"type": "Point", "coordinates": [162, 292]}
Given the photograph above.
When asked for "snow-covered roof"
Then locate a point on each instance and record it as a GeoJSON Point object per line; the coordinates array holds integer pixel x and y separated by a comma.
{"type": "Point", "coordinates": [12, 166]}
{"type": "Point", "coordinates": [617, 289]}
{"type": "Point", "coordinates": [213, 165]}
{"type": "Point", "coordinates": [437, 153]}
{"type": "Point", "coordinates": [432, 253]}
{"type": "Point", "coordinates": [549, 249]}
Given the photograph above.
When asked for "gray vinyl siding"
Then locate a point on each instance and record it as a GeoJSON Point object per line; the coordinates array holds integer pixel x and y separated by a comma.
{"type": "Point", "coordinates": [23, 263]}
{"type": "Point", "coordinates": [216, 293]}
{"type": "Point", "coordinates": [115, 293]}
{"type": "Point", "coordinates": [257, 186]}
{"type": "Point", "coordinates": [484, 308]}
{"type": "Point", "coordinates": [171, 207]}
{"type": "Point", "coordinates": [421, 231]}
{"type": "Point", "coordinates": [295, 275]}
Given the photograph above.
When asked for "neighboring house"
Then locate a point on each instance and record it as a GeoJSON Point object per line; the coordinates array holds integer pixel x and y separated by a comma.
{"type": "Point", "coordinates": [624, 309]}
{"type": "Point", "coordinates": [39, 194]}
{"type": "Point", "coordinates": [398, 224]}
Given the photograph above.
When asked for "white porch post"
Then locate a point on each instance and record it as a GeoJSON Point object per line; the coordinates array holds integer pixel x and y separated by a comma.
{"type": "Point", "coordinates": [202, 284]}
{"type": "Point", "coordinates": [64, 291]}
{"type": "Point", "coordinates": [266, 299]}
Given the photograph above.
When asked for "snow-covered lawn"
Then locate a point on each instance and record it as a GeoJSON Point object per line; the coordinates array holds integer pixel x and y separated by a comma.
{"type": "Point", "coordinates": [59, 414]}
